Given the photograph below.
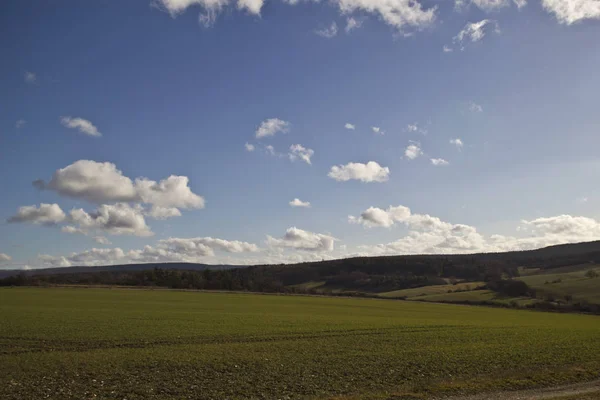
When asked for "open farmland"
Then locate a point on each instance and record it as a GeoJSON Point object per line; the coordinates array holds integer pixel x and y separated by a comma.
{"type": "Point", "coordinates": [155, 344]}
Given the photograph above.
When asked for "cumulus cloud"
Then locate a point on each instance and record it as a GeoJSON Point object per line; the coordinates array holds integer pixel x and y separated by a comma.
{"type": "Point", "coordinates": [171, 192]}
{"type": "Point", "coordinates": [83, 125]}
{"type": "Point", "coordinates": [251, 6]}
{"type": "Point", "coordinates": [102, 240]}
{"type": "Point", "coordinates": [45, 214]}
{"type": "Point", "coordinates": [329, 32]}
{"type": "Point", "coordinates": [396, 13]}
{"type": "Point", "coordinates": [439, 162]}
{"type": "Point", "coordinates": [428, 234]}
{"type": "Point", "coordinates": [158, 212]}
{"type": "Point", "coordinates": [457, 142]}
{"type": "Point", "coordinates": [298, 151]}
{"type": "Point", "coordinates": [377, 130]}
{"type": "Point", "coordinates": [474, 107]}
{"type": "Point", "coordinates": [166, 250]}
{"type": "Point", "coordinates": [116, 219]}
{"type": "Point", "coordinates": [520, 3]}
{"type": "Point", "coordinates": [204, 246]}
{"type": "Point", "coordinates": [374, 216]}
{"type": "Point", "coordinates": [249, 147]}
{"type": "Point", "coordinates": [20, 123]}
{"type": "Point", "coordinates": [416, 129]}
{"type": "Point", "coordinates": [303, 240]}
{"type": "Point", "coordinates": [73, 230]}
{"type": "Point", "coordinates": [349, 126]}
{"type": "Point", "coordinates": [474, 32]}
{"type": "Point", "coordinates": [99, 182]}
{"type": "Point", "coordinates": [413, 151]}
{"type": "Point", "coordinates": [352, 24]}
{"type": "Point", "coordinates": [271, 150]}
{"type": "Point", "coordinates": [299, 203]}
{"type": "Point", "coordinates": [30, 77]}
{"type": "Point", "coordinates": [211, 8]}
{"type": "Point", "coordinates": [485, 5]}
{"type": "Point", "coordinates": [569, 12]}
{"type": "Point", "coordinates": [4, 257]}
{"type": "Point", "coordinates": [369, 172]}
{"type": "Point", "coordinates": [92, 181]}
{"type": "Point", "coordinates": [271, 126]}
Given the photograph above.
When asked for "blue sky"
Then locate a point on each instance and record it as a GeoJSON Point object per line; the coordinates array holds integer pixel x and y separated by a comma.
{"type": "Point", "coordinates": [96, 94]}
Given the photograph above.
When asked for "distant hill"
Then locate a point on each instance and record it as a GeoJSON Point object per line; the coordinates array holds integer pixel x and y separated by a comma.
{"type": "Point", "coordinates": [513, 278]}
{"type": "Point", "coordinates": [113, 268]}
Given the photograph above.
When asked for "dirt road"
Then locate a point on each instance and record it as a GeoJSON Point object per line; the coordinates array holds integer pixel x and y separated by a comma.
{"type": "Point", "coordinates": [588, 390]}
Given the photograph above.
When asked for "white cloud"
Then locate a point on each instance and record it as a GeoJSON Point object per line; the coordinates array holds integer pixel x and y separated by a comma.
{"type": "Point", "coordinates": [103, 182]}
{"type": "Point", "coordinates": [30, 77]}
{"type": "Point", "coordinates": [572, 11]}
{"type": "Point", "coordinates": [158, 212]}
{"type": "Point", "coordinates": [249, 147]}
{"type": "Point", "coordinates": [20, 123]}
{"type": "Point", "coordinates": [374, 216]}
{"type": "Point", "coordinates": [271, 150]}
{"type": "Point", "coordinates": [369, 172]}
{"type": "Point", "coordinates": [430, 235]}
{"type": "Point", "coordinates": [171, 192]}
{"type": "Point", "coordinates": [303, 240]}
{"type": "Point", "coordinates": [328, 32]}
{"type": "Point", "coordinates": [474, 32]}
{"type": "Point", "coordinates": [352, 24]}
{"type": "Point", "coordinates": [102, 240]}
{"type": "Point", "coordinates": [205, 245]}
{"type": "Point", "coordinates": [457, 142]}
{"type": "Point", "coordinates": [397, 13]}
{"type": "Point", "coordinates": [413, 151]}
{"type": "Point", "coordinates": [83, 125]}
{"type": "Point", "coordinates": [439, 162]}
{"type": "Point", "coordinates": [5, 257]}
{"type": "Point", "coordinates": [46, 214]}
{"type": "Point", "coordinates": [73, 230]}
{"type": "Point", "coordinates": [520, 3]}
{"type": "Point", "coordinates": [271, 126]}
{"type": "Point", "coordinates": [377, 130]}
{"type": "Point", "coordinates": [485, 5]}
{"type": "Point", "coordinates": [92, 181]}
{"type": "Point", "coordinates": [299, 203]}
{"type": "Point", "coordinates": [349, 126]}
{"type": "Point", "coordinates": [116, 219]}
{"type": "Point", "coordinates": [211, 8]}
{"type": "Point", "coordinates": [474, 107]}
{"type": "Point", "coordinates": [252, 6]}
{"type": "Point", "coordinates": [301, 152]}
{"type": "Point", "coordinates": [166, 250]}
{"type": "Point", "coordinates": [447, 49]}
{"type": "Point", "coordinates": [416, 128]}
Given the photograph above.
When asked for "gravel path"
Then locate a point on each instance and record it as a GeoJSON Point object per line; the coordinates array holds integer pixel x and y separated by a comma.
{"type": "Point", "coordinates": [588, 388]}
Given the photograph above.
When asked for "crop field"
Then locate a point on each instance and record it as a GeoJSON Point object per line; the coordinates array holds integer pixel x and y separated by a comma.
{"type": "Point", "coordinates": [68, 343]}
{"type": "Point", "coordinates": [431, 290]}
{"type": "Point", "coordinates": [567, 281]}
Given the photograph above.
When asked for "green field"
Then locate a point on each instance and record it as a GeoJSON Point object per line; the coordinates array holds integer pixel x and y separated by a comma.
{"type": "Point", "coordinates": [431, 290]}
{"type": "Point", "coordinates": [160, 344]}
{"type": "Point", "coordinates": [567, 281]}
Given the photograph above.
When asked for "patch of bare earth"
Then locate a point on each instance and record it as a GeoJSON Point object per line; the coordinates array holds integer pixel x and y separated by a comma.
{"type": "Point", "coordinates": [587, 390]}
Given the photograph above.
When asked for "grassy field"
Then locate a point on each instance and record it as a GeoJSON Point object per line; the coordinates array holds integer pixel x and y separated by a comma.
{"type": "Point", "coordinates": [144, 344]}
{"type": "Point", "coordinates": [431, 290]}
{"type": "Point", "coordinates": [567, 281]}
